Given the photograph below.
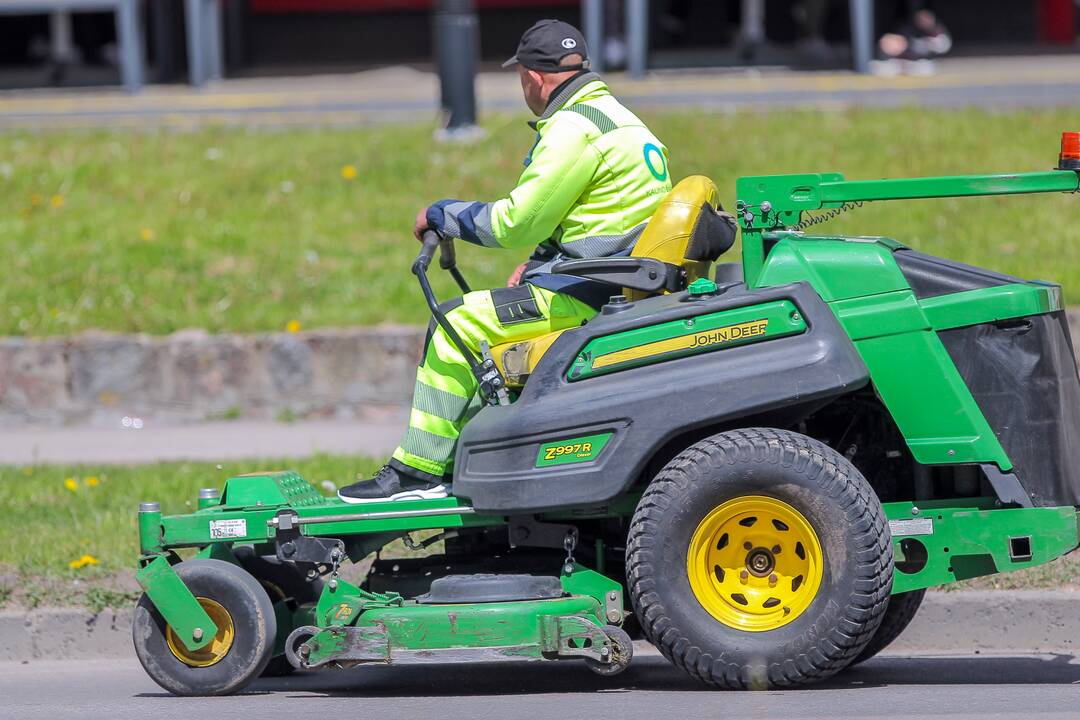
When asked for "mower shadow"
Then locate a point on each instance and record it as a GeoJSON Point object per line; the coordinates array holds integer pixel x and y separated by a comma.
{"type": "Point", "coordinates": [653, 673]}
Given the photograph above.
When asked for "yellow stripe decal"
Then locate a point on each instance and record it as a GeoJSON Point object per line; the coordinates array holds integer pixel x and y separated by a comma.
{"type": "Point", "coordinates": [709, 339]}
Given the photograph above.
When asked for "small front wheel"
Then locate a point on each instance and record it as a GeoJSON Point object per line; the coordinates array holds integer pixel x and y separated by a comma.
{"type": "Point", "coordinates": [622, 652]}
{"type": "Point", "coordinates": [237, 654]}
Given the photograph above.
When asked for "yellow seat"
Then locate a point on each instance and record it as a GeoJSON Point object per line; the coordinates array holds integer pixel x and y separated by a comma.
{"type": "Point", "coordinates": [688, 230]}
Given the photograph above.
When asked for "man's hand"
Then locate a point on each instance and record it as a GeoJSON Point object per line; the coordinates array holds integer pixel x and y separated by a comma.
{"type": "Point", "coordinates": [421, 223]}
{"type": "Point", "coordinates": [515, 277]}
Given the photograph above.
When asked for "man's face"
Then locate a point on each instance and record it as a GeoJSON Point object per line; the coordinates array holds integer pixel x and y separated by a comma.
{"type": "Point", "coordinates": [532, 86]}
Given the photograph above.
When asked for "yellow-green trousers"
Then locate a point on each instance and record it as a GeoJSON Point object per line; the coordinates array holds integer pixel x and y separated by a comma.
{"type": "Point", "coordinates": [446, 390]}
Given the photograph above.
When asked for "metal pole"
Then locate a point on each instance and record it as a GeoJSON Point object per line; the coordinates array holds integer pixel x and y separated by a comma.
{"type": "Point", "coordinates": [753, 22]}
{"type": "Point", "coordinates": [592, 23]}
{"type": "Point", "coordinates": [862, 34]}
{"type": "Point", "coordinates": [457, 50]}
{"type": "Point", "coordinates": [212, 42]}
{"type": "Point", "coordinates": [193, 16]}
{"type": "Point", "coordinates": [637, 37]}
{"type": "Point", "coordinates": [130, 41]}
{"type": "Point", "coordinates": [62, 50]}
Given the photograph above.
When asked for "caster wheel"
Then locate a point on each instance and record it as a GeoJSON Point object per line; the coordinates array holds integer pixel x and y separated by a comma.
{"type": "Point", "coordinates": [622, 648]}
{"type": "Point", "coordinates": [239, 651]}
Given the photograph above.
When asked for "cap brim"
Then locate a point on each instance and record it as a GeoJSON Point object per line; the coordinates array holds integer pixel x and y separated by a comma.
{"type": "Point", "coordinates": [512, 61]}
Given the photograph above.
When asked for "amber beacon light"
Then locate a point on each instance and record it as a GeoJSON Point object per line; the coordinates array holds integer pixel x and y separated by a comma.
{"type": "Point", "coordinates": [1070, 151]}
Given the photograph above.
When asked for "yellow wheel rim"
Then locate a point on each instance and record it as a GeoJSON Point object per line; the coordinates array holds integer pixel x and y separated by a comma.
{"type": "Point", "coordinates": [755, 563]}
{"type": "Point", "coordinates": [217, 649]}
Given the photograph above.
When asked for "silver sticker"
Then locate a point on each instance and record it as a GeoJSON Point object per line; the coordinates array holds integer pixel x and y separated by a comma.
{"type": "Point", "coordinates": [915, 526]}
{"type": "Point", "coordinates": [221, 529]}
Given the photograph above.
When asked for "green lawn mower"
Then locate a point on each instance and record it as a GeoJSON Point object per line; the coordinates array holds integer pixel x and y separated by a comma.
{"type": "Point", "coordinates": [759, 467]}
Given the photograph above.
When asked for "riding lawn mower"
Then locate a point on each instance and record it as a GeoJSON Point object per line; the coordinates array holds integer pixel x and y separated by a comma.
{"type": "Point", "coordinates": [758, 467]}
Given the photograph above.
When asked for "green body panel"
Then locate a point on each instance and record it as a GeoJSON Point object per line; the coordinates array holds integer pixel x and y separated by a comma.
{"type": "Point", "coordinates": [681, 338]}
{"type": "Point", "coordinates": [971, 538]}
{"type": "Point", "coordinates": [571, 450]}
{"type": "Point", "coordinates": [990, 304]}
{"type": "Point", "coordinates": [909, 366]}
{"type": "Point", "coordinates": [524, 629]}
{"type": "Point", "coordinates": [425, 627]}
{"type": "Point", "coordinates": [837, 268]}
{"type": "Point", "coordinates": [270, 489]}
{"type": "Point", "coordinates": [251, 523]}
{"type": "Point", "coordinates": [176, 603]}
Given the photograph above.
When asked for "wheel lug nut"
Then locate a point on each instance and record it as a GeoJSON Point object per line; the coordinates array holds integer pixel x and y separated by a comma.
{"type": "Point", "coordinates": [744, 576]}
{"type": "Point", "coordinates": [748, 545]}
{"type": "Point", "coordinates": [786, 610]}
{"type": "Point", "coordinates": [772, 579]}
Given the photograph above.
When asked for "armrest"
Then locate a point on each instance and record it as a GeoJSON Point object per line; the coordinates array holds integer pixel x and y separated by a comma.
{"type": "Point", "coordinates": [636, 273]}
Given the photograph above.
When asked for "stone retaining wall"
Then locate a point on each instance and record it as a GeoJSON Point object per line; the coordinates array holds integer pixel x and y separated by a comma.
{"type": "Point", "coordinates": [191, 376]}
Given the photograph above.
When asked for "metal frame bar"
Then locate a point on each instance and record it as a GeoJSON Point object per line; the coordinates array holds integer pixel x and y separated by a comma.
{"type": "Point", "coordinates": [775, 202]}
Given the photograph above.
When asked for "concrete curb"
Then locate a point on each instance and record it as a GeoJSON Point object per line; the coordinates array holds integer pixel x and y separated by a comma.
{"type": "Point", "coordinates": [1001, 621]}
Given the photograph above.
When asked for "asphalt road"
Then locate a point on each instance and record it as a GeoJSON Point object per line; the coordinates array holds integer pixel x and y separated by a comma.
{"type": "Point", "coordinates": [973, 686]}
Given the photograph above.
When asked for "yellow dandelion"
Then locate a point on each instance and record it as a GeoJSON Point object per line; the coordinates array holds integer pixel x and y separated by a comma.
{"type": "Point", "coordinates": [146, 234]}
{"type": "Point", "coordinates": [83, 562]}
{"type": "Point", "coordinates": [292, 326]}
{"type": "Point", "coordinates": [71, 485]}
{"type": "Point", "coordinates": [92, 481]}
{"type": "Point", "coordinates": [28, 471]}
{"type": "Point", "coordinates": [57, 201]}
{"type": "Point", "coordinates": [348, 172]}
{"type": "Point", "coordinates": [36, 200]}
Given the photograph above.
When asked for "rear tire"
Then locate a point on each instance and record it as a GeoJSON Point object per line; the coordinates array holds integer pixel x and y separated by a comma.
{"type": "Point", "coordinates": [898, 615]}
{"type": "Point", "coordinates": [814, 494]}
{"type": "Point", "coordinates": [241, 649]}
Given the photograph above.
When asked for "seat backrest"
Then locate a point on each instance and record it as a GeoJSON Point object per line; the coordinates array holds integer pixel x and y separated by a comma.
{"type": "Point", "coordinates": [688, 229]}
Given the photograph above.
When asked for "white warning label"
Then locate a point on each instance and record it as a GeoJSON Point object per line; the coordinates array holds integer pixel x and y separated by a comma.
{"type": "Point", "coordinates": [221, 529]}
{"type": "Point", "coordinates": [915, 526]}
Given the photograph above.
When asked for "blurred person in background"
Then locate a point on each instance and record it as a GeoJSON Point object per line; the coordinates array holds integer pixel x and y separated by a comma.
{"type": "Point", "coordinates": [917, 38]}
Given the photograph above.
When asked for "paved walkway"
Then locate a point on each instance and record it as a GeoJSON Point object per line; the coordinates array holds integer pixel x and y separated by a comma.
{"type": "Point", "coordinates": [216, 441]}
{"type": "Point", "coordinates": [402, 93]}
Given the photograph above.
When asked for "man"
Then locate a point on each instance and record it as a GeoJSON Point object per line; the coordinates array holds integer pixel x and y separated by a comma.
{"type": "Point", "coordinates": [593, 178]}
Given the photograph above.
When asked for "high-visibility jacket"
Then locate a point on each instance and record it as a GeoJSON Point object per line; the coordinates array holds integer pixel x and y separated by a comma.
{"type": "Point", "coordinates": [593, 178]}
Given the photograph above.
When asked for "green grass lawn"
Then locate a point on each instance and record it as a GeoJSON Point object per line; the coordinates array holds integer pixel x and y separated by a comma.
{"type": "Point", "coordinates": [57, 517]}
{"type": "Point", "coordinates": [235, 230]}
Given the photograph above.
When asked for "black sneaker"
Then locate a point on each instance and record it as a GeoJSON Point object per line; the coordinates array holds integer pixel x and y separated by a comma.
{"type": "Point", "coordinates": [392, 483]}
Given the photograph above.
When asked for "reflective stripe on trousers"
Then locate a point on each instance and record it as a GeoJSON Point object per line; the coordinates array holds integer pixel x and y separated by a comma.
{"type": "Point", "coordinates": [445, 396]}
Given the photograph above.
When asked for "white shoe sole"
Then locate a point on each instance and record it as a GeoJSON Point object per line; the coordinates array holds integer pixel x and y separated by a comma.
{"type": "Point", "coordinates": [439, 491]}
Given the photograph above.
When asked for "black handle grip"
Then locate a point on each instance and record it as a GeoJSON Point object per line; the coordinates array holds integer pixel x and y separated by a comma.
{"type": "Point", "coordinates": [429, 242]}
{"type": "Point", "coordinates": [447, 254]}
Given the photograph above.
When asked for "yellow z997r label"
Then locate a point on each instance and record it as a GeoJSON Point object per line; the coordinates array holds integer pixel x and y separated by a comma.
{"type": "Point", "coordinates": [564, 452]}
{"type": "Point", "coordinates": [690, 341]}
{"type": "Point", "coordinates": [579, 450]}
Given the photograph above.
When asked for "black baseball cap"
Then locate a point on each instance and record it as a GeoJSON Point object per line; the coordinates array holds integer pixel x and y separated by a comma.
{"type": "Point", "coordinates": [546, 43]}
